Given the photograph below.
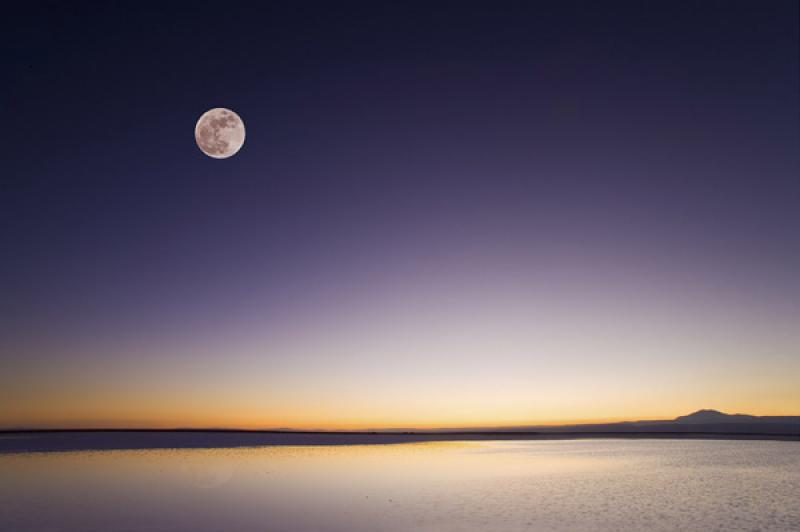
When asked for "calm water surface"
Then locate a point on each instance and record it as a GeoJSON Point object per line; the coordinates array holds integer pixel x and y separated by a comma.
{"type": "Point", "coordinates": [495, 486]}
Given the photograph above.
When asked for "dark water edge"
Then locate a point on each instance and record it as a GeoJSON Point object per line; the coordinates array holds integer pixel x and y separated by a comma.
{"type": "Point", "coordinates": [104, 440]}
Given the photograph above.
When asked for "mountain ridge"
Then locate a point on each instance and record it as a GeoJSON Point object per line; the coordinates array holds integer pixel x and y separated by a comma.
{"type": "Point", "coordinates": [703, 420]}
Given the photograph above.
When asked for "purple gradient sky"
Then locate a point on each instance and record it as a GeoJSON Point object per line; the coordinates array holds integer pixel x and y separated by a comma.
{"type": "Point", "coordinates": [462, 215]}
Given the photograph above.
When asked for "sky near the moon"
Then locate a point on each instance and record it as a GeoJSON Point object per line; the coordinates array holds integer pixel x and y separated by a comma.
{"type": "Point", "coordinates": [463, 215]}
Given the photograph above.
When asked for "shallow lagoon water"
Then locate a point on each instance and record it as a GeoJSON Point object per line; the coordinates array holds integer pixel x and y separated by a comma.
{"type": "Point", "coordinates": [442, 486]}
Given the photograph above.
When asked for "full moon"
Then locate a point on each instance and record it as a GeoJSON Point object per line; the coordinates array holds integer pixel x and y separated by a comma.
{"type": "Point", "coordinates": [219, 133]}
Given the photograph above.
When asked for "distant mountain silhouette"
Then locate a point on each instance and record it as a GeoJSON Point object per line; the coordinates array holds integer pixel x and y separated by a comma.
{"type": "Point", "coordinates": [715, 416]}
{"type": "Point", "coordinates": [703, 421]}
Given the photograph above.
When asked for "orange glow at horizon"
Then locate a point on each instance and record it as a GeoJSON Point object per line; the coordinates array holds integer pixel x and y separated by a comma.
{"type": "Point", "coordinates": [228, 413]}
{"type": "Point", "coordinates": [514, 355]}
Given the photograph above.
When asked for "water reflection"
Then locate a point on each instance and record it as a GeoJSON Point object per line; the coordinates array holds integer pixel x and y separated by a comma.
{"type": "Point", "coordinates": [551, 485]}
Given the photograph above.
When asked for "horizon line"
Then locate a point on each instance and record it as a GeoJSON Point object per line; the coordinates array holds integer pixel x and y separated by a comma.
{"type": "Point", "coordinates": [531, 428]}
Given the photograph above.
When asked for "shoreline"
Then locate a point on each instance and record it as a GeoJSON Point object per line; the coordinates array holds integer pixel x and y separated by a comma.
{"type": "Point", "coordinates": [64, 440]}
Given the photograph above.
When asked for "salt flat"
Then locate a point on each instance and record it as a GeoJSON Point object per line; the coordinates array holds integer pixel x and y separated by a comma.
{"type": "Point", "coordinates": [597, 484]}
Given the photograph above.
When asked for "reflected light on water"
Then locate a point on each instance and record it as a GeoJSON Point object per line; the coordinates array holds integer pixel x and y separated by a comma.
{"type": "Point", "coordinates": [426, 486]}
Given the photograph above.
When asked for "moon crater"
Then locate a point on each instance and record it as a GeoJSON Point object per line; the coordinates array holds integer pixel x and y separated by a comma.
{"type": "Point", "coordinates": [219, 133]}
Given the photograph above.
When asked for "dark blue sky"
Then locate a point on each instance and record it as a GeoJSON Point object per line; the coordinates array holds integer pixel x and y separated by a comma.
{"type": "Point", "coordinates": [391, 149]}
